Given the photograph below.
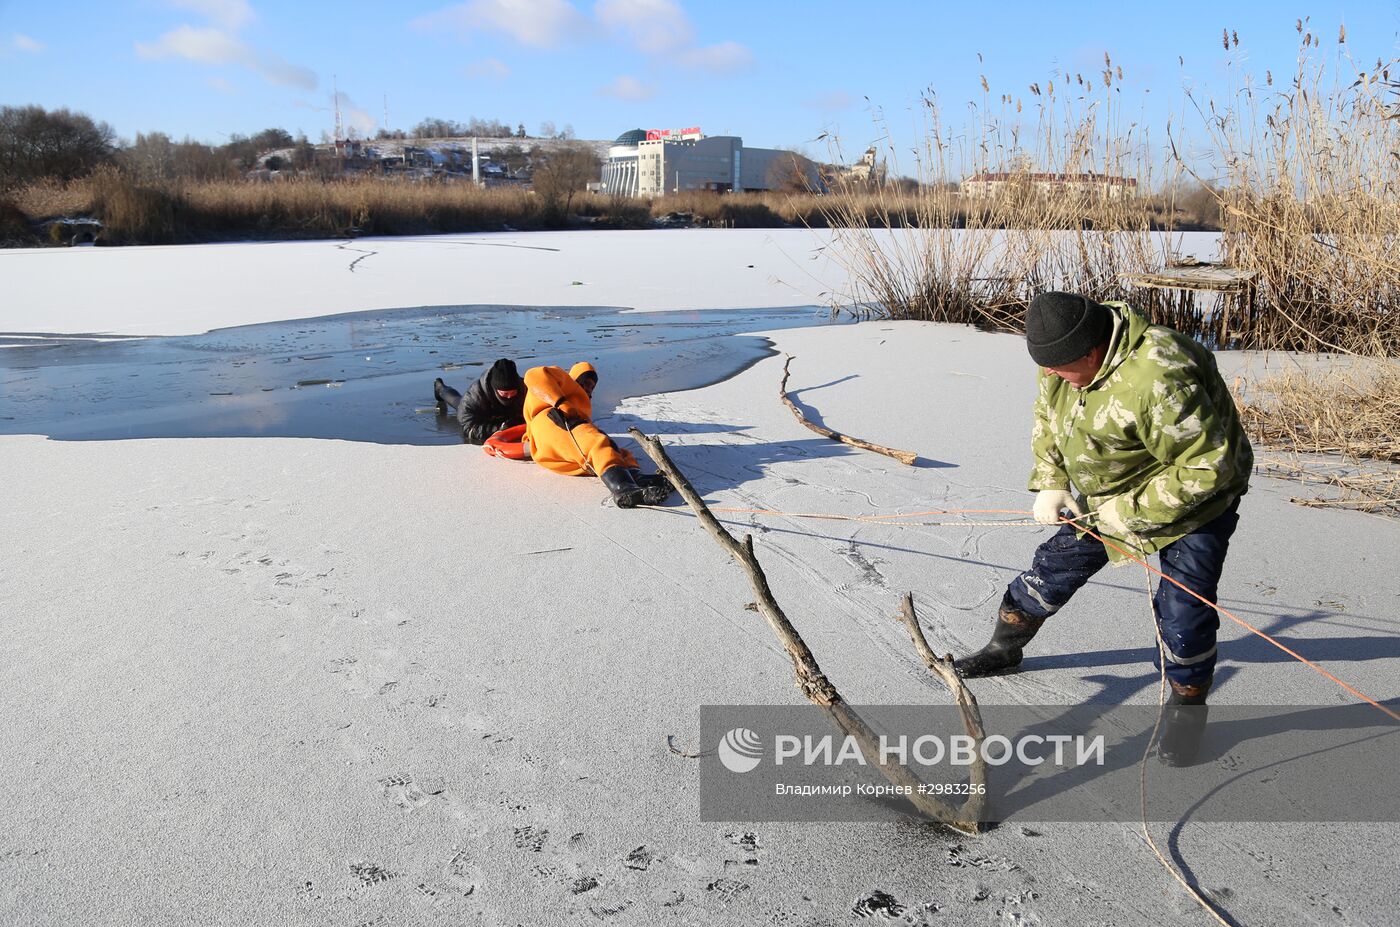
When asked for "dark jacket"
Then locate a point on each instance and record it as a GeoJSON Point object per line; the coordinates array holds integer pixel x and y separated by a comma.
{"type": "Point", "coordinates": [482, 413]}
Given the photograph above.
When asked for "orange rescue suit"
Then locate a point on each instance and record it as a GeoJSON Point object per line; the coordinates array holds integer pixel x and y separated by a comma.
{"type": "Point", "coordinates": [586, 449]}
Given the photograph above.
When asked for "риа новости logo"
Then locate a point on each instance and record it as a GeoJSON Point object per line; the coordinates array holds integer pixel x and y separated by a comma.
{"type": "Point", "coordinates": [740, 750]}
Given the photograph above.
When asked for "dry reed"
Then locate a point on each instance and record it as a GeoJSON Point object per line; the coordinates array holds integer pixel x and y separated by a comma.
{"type": "Point", "coordinates": [941, 255]}
{"type": "Point", "coordinates": [1308, 191]}
{"type": "Point", "coordinates": [1311, 203]}
{"type": "Point", "coordinates": [138, 212]}
{"type": "Point", "coordinates": [164, 212]}
{"type": "Point", "coordinates": [1310, 200]}
{"type": "Point", "coordinates": [1309, 195]}
{"type": "Point", "coordinates": [1350, 412]}
{"type": "Point", "coordinates": [1338, 429]}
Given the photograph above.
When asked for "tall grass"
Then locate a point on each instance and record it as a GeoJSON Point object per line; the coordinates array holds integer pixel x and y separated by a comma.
{"type": "Point", "coordinates": [1338, 429]}
{"type": "Point", "coordinates": [1305, 178]}
{"type": "Point", "coordinates": [139, 211]}
{"type": "Point", "coordinates": [135, 213]}
{"type": "Point", "coordinates": [941, 255]}
{"type": "Point", "coordinates": [1311, 198]}
{"type": "Point", "coordinates": [164, 212]}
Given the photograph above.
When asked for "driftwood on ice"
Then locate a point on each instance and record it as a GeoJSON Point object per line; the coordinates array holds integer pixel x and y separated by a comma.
{"type": "Point", "coordinates": [813, 683]}
{"type": "Point", "coordinates": [905, 457]}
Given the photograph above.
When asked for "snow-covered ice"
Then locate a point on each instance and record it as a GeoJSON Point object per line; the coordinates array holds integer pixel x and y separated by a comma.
{"type": "Point", "coordinates": [188, 289]}
{"type": "Point", "coordinates": [271, 680]}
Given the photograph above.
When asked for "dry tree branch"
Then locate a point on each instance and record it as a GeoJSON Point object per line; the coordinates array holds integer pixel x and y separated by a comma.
{"type": "Point", "coordinates": [967, 705]}
{"type": "Point", "coordinates": [905, 457]}
{"type": "Point", "coordinates": [811, 681]}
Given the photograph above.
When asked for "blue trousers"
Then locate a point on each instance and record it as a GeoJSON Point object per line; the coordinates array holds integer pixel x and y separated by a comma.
{"type": "Point", "coordinates": [1186, 626]}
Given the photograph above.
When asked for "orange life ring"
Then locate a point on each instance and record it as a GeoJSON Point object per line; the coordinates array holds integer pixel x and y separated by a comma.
{"type": "Point", "coordinates": [507, 443]}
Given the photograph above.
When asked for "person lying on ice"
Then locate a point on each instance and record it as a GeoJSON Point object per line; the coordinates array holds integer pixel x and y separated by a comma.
{"type": "Point", "coordinates": [1138, 419]}
{"type": "Point", "coordinates": [494, 402]}
{"type": "Point", "coordinates": [562, 437]}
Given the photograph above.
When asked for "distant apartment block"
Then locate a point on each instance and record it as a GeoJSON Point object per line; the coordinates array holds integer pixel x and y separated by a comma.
{"type": "Point", "coordinates": [990, 184]}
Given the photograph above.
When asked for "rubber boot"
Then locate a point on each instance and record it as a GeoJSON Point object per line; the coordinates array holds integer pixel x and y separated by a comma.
{"type": "Point", "coordinates": [656, 487]}
{"type": "Point", "coordinates": [1002, 654]}
{"type": "Point", "coordinates": [625, 491]}
{"type": "Point", "coordinates": [1183, 724]}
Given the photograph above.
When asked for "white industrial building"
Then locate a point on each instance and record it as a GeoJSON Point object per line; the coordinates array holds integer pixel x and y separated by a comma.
{"type": "Point", "coordinates": [659, 161]}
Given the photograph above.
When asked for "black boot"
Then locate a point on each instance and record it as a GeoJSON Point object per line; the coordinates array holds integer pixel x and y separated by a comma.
{"type": "Point", "coordinates": [656, 488]}
{"type": "Point", "coordinates": [625, 491]}
{"type": "Point", "coordinates": [1003, 653]}
{"type": "Point", "coordinates": [438, 387]}
{"type": "Point", "coordinates": [1183, 724]}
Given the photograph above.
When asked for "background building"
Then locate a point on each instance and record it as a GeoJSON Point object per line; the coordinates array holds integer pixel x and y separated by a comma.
{"type": "Point", "coordinates": [996, 183]}
{"type": "Point", "coordinates": [654, 162]}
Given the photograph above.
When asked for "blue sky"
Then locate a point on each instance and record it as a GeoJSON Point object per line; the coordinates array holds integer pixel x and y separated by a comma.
{"type": "Point", "coordinates": [778, 73]}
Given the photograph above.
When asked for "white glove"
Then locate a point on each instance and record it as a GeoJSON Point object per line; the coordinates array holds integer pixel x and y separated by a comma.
{"type": "Point", "coordinates": [1049, 502]}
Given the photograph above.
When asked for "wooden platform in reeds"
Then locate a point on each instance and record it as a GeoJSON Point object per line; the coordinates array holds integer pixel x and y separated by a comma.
{"type": "Point", "coordinates": [1222, 321]}
{"type": "Point", "coordinates": [1195, 276]}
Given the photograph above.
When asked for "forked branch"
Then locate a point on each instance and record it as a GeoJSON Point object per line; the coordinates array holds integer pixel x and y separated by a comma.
{"type": "Point", "coordinates": [810, 679]}
{"type": "Point", "coordinates": [942, 667]}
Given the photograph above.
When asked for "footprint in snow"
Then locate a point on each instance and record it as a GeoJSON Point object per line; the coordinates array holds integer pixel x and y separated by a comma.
{"type": "Point", "coordinates": [877, 904]}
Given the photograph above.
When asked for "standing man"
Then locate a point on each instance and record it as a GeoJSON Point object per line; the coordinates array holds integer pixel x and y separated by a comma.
{"type": "Point", "coordinates": [1137, 418]}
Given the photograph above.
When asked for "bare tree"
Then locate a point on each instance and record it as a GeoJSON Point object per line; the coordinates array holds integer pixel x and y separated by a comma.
{"type": "Point", "coordinates": [792, 172]}
{"type": "Point", "coordinates": [303, 154]}
{"type": "Point", "coordinates": [151, 157]}
{"type": "Point", "coordinates": [247, 151]}
{"type": "Point", "coordinates": [1199, 205]}
{"type": "Point", "coordinates": [198, 161]}
{"type": "Point", "coordinates": [62, 144]}
{"type": "Point", "coordinates": [561, 174]}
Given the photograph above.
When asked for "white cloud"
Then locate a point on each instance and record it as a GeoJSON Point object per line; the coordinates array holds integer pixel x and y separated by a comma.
{"type": "Point", "coordinates": [723, 58]}
{"type": "Point", "coordinates": [537, 23]}
{"type": "Point", "coordinates": [628, 88]}
{"type": "Point", "coordinates": [230, 14]}
{"type": "Point", "coordinates": [493, 68]}
{"type": "Point", "coordinates": [654, 26]}
{"type": "Point", "coordinates": [209, 45]}
{"type": "Point", "coordinates": [661, 28]}
{"type": "Point", "coordinates": [24, 43]}
{"type": "Point", "coordinates": [657, 28]}
{"type": "Point", "coordinates": [220, 84]}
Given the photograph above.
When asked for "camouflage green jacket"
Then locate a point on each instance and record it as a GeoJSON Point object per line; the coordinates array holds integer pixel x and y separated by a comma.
{"type": "Point", "coordinates": [1156, 432]}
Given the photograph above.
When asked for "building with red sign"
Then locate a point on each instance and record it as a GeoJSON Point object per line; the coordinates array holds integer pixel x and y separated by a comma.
{"type": "Point", "coordinates": [654, 162]}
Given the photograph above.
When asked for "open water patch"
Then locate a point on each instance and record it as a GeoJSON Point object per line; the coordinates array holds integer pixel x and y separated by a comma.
{"type": "Point", "coordinates": [362, 376]}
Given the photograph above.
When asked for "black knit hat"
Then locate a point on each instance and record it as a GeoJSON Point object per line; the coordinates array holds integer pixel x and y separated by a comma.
{"type": "Point", "coordinates": [1063, 327]}
{"type": "Point", "coordinates": [503, 375]}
